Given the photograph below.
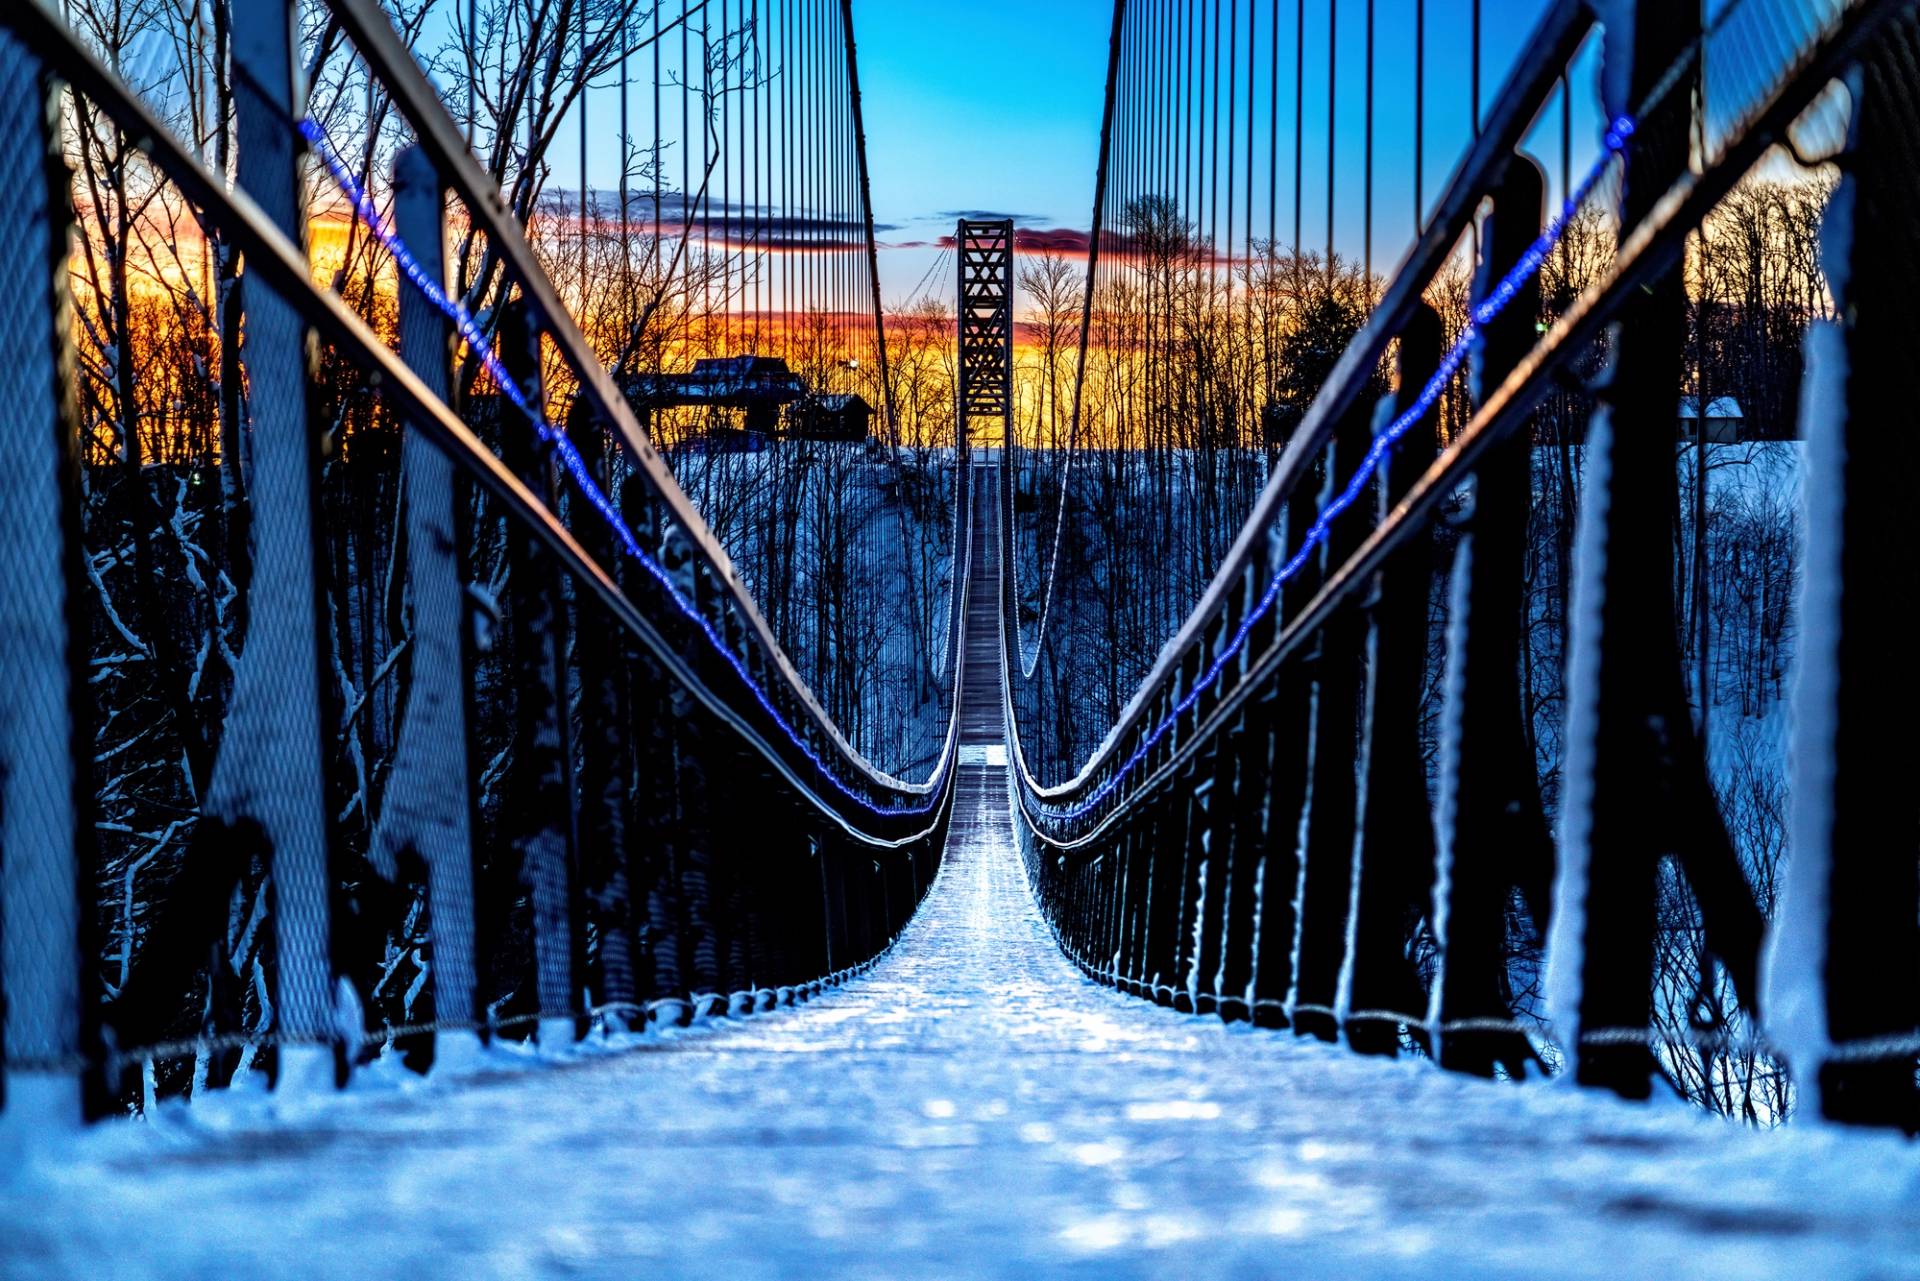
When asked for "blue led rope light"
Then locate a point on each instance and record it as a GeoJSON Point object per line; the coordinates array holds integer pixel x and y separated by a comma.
{"type": "Point", "coordinates": [576, 467]}
{"type": "Point", "coordinates": [1615, 144]}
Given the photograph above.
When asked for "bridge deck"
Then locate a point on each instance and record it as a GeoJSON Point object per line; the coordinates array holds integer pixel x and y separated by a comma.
{"type": "Point", "coordinates": [977, 1107]}
{"type": "Point", "coordinates": [971, 1107]}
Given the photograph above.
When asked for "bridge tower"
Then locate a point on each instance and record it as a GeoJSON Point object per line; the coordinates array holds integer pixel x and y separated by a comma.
{"type": "Point", "coordinates": [986, 324]}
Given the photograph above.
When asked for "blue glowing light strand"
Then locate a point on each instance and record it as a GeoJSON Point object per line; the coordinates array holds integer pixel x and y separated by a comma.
{"type": "Point", "coordinates": [576, 467]}
{"type": "Point", "coordinates": [1615, 144]}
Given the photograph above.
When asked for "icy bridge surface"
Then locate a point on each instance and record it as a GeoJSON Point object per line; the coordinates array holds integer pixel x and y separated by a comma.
{"type": "Point", "coordinates": [972, 1107]}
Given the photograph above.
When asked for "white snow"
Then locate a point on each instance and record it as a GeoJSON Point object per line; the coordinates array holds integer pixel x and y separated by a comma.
{"type": "Point", "coordinates": [970, 1108]}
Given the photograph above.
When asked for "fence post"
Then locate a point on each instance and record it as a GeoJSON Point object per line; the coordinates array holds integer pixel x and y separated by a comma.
{"type": "Point", "coordinates": [428, 808]}
{"type": "Point", "coordinates": [1289, 716]}
{"type": "Point", "coordinates": [1191, 798]}
{"type": "Point", "coordinates": [653, 837]}
{"type": "Point", "coordinates": [269, 785]}
{"type": "Point", "coordinates": [1846, 932]}
{"type": "Point", "coordinates": [1492, 832]}
{"type": "Point", "coordinates": [606, 753]}
{"type": "Point", "coordinates": [46, 846]}
{"type": "Point", "coordinates": [1393, 848]}
{"type": "Point", "coordinates": [1636, 783]}
{"type": "Point", "coordinates": [1326, 847]}
{"type": "Point", "coordinates": [540, 818]}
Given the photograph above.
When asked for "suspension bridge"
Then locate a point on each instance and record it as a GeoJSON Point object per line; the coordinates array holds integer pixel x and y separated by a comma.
{"type": "Point", "coordinates": [448, 826]}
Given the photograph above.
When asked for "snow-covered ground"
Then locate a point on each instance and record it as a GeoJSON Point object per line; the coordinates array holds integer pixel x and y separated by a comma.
{"type": "Point", "coordinates": [971, 1108]}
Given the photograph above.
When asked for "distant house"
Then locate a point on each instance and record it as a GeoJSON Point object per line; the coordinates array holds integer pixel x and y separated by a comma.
{"type": "Point", "coordinates": [757, 385]}
{"type": "Point", "coordinates": [1726, 425]}
{"type": "Point", "coordinates": [829, 417]}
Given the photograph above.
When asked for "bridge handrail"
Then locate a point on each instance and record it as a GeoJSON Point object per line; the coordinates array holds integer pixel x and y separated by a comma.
{"type": "Point", "coordinates": [1652, 246]}
{"type": "Point", "coordinates": [390, 61]}
{"type": "Point", "coordinates": [656, 775]}
{"type": "Point", "coordinates": [286, 265]}
{"type": "Point", "coordinates": [1277, 831]}
{"type": "Point", "coordinates": [1528, 85]}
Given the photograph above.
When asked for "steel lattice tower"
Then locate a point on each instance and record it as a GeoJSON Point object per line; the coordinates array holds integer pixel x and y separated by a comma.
{"type": "Point", "coordinates": [986, 323]}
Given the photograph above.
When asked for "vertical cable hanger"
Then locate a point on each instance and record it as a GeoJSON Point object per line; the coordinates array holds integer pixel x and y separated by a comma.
{"type": "Point", "coordinates": [820, 210]}
{"type": "Point", "coordinates": [1273, 130]}
{"type": "Point", "coordinates": [829, 205]}
{"type": "Point", "coordinates": [843, 157]}
{"type": "Point", "coordinates": [1419, 115]}
{"type": "Point", "coordinates": [473, 70]}
{"type": "Point", "coordinates": [686, 187]}
{"type": "Point", "coordinates": [815, 171]}
{"type": "Point", "coordinates": [1213, 160]}
{"type": "Point", "coordinates": [656, 163]}
{"type": "Point", "coordinates": [1333, 71]}
{"type": "Point", "coordinates": [1475, 59]}
{"type": "Point", "coordinates": [762, 179]}
{"type": "Point", "coordinates": [725, 202]}
{"type": "Point", "coordinates": [1149, 139]}
{"type": "Point", "coordinates": [760, 248]}
{"type": "Point", "coordinates": [1366, 217]}
{"type": "Point", "coordinates": [754, 241]}
{"type": "Point", "coordinates": [729, 224]}
{"type": "Point", "coordinates": [783, 186]}
{"type": "Point", "coordinates": [1566, 140]}
{"type": "Point", "coordinates": [1135, 147]}
{"type": "Point", "coordinates": [1233, 96]}
{"type": "Point", "coordinates": [1187, 183]}
{"type": "Point", "coordinates": [1299, 116]}
{"type": "Point", "coordinates": [1253, 10]}
{"type": "Point", "coordinates": [708, 162]}
{"type": "Point", "coordinates": [810, 157]}
{"type": "Point", "coordinates": [1273, 194]}
{"type": "Point", "coordinates": [837, 197]}
{"type": "Point", "coordinates": [626, 218]}
{"type": "Point", "coordinates": [586, 92]}
{"type": "Point", "coordinates": [1473, 90]}
{"type": "Point", "coordinates": [742, 218]}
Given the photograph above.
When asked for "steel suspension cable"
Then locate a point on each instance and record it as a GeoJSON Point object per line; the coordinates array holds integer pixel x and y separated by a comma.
{"type": "Point", "coordinates": [1419, 115]}
{"type": "Point", "coordinates": [1029, 660]}
{"type": "Point", "coordinates": [1333, 79]}
{"type": "Point", "coordinates": [1299, 118]}
{"type": "Point", "coordinates": [1366, 252]}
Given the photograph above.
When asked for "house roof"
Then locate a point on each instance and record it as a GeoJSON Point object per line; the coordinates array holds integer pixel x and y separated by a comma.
{"type": "Point", "coordinates": [1718, 407]}
{"type": "Point", "coordinates": [837, 402]}
{"type": "Point", "coordinates": [721, 380]}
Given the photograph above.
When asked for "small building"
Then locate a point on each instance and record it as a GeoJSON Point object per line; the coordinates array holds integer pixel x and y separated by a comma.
{"type": "Point", "coordinates": [1726, 425]}
{"type": "Point", "coordinates": [759, 386]}
{"type": "Point", "coordinates": [829, 416]}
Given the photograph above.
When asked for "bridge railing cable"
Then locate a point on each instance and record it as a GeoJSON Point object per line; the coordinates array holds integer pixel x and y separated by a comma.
{"type": "Point", "coordinates": [509, 747]}
{"type": "Point", "coordinates": [1319, 811]}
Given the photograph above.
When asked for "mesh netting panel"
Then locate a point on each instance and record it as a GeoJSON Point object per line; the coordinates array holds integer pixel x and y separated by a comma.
{"type": "Point", "coordinates": [39, 924]}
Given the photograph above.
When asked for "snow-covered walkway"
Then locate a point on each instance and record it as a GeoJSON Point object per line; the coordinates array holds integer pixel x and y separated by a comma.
{"type": "Point", "coordinates": [973, 1107]}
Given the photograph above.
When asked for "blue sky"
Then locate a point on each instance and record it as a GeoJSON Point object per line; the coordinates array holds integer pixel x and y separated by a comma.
{"type": "Point", "coordinates": [970, 107]}
{"type": "Point", "coordinates": [994, 106]}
